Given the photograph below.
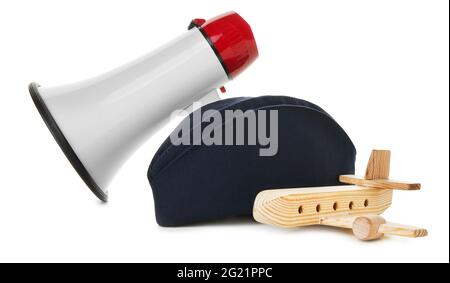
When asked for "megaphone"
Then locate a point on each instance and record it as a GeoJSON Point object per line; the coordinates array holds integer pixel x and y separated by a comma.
{"type": "Point", "coordinates": [100, 122]}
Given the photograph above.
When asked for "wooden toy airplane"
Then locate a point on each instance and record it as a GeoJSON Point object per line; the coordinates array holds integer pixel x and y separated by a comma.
{"type": "Point", "coordinates": [356, 206]}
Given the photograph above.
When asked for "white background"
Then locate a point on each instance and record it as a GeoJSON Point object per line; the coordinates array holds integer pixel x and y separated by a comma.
{"type": "Point", "coordinates": [379, 67]}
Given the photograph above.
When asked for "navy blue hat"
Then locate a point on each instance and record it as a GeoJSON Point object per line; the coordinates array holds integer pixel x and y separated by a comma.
{"type": "Point", "coordinates": [198, 183]}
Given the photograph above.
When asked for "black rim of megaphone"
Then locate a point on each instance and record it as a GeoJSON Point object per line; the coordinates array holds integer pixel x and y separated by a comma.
{"type": "Point", "coordinates": [63, 143]}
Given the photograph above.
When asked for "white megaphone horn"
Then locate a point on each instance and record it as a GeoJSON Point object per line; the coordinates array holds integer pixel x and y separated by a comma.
{"type": "Point", "coordinates": [99, 122]}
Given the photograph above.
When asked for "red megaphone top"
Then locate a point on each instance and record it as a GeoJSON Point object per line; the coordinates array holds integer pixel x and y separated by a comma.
{"type": "Point", "coordinates": [232, 40]}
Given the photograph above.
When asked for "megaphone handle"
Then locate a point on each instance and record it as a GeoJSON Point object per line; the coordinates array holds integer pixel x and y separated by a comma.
{"type": "Point", "coordinates": [210, 97]}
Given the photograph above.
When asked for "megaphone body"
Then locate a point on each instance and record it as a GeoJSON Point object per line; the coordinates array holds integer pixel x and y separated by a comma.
{"type": "Point", "coordinates": [101, 121]}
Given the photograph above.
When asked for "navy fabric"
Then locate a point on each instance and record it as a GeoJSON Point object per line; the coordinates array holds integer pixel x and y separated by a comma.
{"type": "Point", "coordinates": [198, 183]}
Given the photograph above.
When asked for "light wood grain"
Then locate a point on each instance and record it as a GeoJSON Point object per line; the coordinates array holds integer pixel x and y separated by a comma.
{"type": "Point", "coordinates": [367, 228]}
{"type": "Point", "coordinates": [379, 183]}
{"type": "Point", "coordinates": [339, 221]}
{"type": "Point", "coordinates": [372, 227]}
{"type": "Point", "coordinates": [355, 207]}
{"type": "Point", "coordinates": [379, 165]}
{"type": "Point", "coordinates": [307, 206]}
{"type": "Point", "coordinates": [403, 230]}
